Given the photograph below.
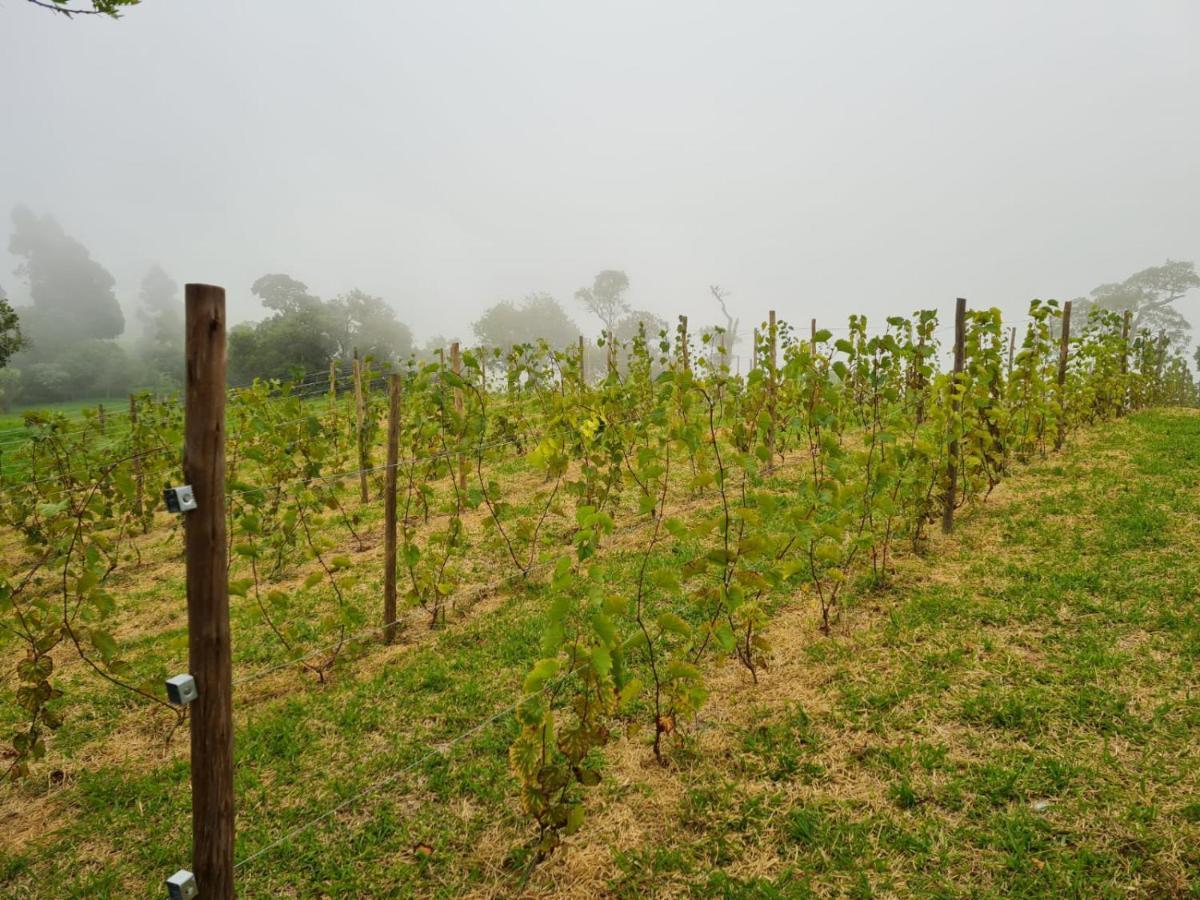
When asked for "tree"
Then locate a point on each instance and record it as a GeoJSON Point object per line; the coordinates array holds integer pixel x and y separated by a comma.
{"type": "Point", "coordinates": [110, 8]}
{"type": "Point", "coordinates": [729, 339]}
{"type": "Point", "coordinates": [11, 339]}
{"type": "Point", "coordinates": [537, 316]}
{"type": "Point", "coordinates": [305, 333]}
{"type": "Point", "coordinates": [605, 299]}
{"type": "Point", "coordinates": [283, 293]}
{"type": "Point", "coordinates": [161, 345]}
{"type": "Point", "coordinates": [73, 297]}
{"type": "Point", "coordinates": [627, 328]}
{"type": "Point", "coordinates": [1149, 295]}
{"type": "Point", "coordinates": [297, 339]}
{"type": "Point", "coordinates": [360, 321]}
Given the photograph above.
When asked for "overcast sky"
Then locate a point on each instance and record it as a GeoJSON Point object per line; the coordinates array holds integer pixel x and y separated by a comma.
{"type": "Point", "coordinates": [818, 158]}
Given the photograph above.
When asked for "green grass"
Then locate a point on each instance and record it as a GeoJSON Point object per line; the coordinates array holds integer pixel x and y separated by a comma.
{"type": "Point", "coordinates": [13, 418]}
{"type": "Point", "coordinates": [1017, 716]}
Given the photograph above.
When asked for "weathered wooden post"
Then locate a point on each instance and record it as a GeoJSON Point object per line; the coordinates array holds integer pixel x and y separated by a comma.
{"type": "Point", "coordinates": [960, 332]}
{"type": "Point", "coordinates": [772, 386]}
{"type": "Point", "coordinates": [389, 511]}
{"type": "Point", "coordinates": [360, 414]}
{"type": "Point", "coordinates": [209, 654]}
{"type": "Point", "coordinates": [456, 368]}
{"type": "Point", "coordinates": [1064, 340]}
{"type": "Point", "coordinates": [683, 343]}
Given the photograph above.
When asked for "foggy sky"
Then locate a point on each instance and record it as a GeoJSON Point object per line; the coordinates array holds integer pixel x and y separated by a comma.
{"type": "Point", "coordinates": [817, 158]}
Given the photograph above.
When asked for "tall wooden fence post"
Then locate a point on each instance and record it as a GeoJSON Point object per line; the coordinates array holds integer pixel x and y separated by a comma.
{"type": "Point", "coordinates": [389, 511]}
{"type": "Point", "coordinates": [960, 334]}
{"type": "Point", "coordinates": [1064, 340]}
{"type": "Point", "coordinates": [582, 366]}
{"type": "Point", "coordinates": [209, 654]}
{"type": "Point", "coordinates": [360, 428]}
{"type": "Point", "coordinates": [812, 340]}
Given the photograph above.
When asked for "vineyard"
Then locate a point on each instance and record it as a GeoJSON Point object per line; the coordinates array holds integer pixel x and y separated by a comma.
{"type": "Point", "coordinates": [465, 595]}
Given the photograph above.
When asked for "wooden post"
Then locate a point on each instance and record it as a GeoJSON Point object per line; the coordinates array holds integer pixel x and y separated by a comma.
{"type": "Point", "coordinates": [812, 341]}
{"type": "Point", "coordinates": [456, 368]}
{"type": "Point", "coordinates": [139, 477]}
{"type": "Point", "coordinates": [772, 337]}
{"type": "Point", "coordinates": [582, 366]}
{"type": "Point", "coordinates": [960, 334]}
{"type": "Point", "coordinates": [209, 654]}
{"type": "Point", "coordinates": [918, 380]}
{"type": "Point", "coordinates": [683, 343]}
{"type": "Point", "coordinates": [360, 427]}
{"type": "Point", "coordinates": [1064, 339]}
{"type": "Point", "coordinates": [1125, 323]}
{"type": "Point", "coordinates": [389, 512]}
{"type": "Point", "coordinates": [754, 352]}
{"type": "Point", "coordinates": [333, 416]}
{"type": "Point", "coordinates": [611, 346]}
{"type": "Point", "coordinates": [1012, 348]}
{"type": "Point", "coordinates": [1160, 364]}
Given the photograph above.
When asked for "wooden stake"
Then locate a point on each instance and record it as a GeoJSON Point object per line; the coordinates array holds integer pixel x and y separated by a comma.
{"type": "Point", "coordinates": [360, 427]}
{"type": "Point", "coordinates": [1064, 339]}
{"type": "Point", "coordinates": [960, 334]}
{"type": "Point", "coordinates": [1125, 323]}
{"type": "Point", "coordinates": [812, 341]}
{"type": "Point", "coordinates": [683, 343]}
{"type": "Point", "coordinates": [389, 512]}
{"type": "Point", "coordinates": [918, 380]}
{"type": "Point", "coordinates": [209, 654]}
{"type": "Point", "coordinates": [456, 368]}
{"type": "Point", "coordinates": [754, 352]}
{"type": "Point", "coordinates": [139, 477]}
{"type": "Point", "coordinates": [582, 366]}
{"type": "Point", "coordinates": [1012, 348]}
{"type": "Point", "coordinates": [772, 337]}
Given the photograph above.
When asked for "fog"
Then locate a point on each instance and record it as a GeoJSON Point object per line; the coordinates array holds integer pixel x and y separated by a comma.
{"type": "Point", "coordinates": [819, 159]}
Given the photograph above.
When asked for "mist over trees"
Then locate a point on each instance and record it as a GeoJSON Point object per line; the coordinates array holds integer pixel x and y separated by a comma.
{"type": "Point", "coordinates": [605, 299]}
{"type": "Point", "coordinates": [536, 316]}
{"type": "Point", "coordinates": [70, 329]}
{"type": "Point", "coordinates": [11, 338]}
{"type": "Point", "coordinates": [1150, 295]}
{"type": "Point", "coordinates": [305, 332]}
{"type": "Point", "coordinates": [70, 341]}
{"type": "Point", "coordinates": [161, 314]}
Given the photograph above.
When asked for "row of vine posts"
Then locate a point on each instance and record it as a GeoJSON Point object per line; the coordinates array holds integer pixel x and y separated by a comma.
{"type": "Point", "coordinates": [801, 381]}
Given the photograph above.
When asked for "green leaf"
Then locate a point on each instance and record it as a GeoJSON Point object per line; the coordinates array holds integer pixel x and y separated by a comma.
{"type": "Point", "coordinates": [542, 671]}
{"type": "Point", "coordinates": [670, 622]}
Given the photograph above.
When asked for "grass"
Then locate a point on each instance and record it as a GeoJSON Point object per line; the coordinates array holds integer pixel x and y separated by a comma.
{"type": "Point", "coordinates": [1015, 716]}
{"type": "Point", "coordinates": [14, 418]}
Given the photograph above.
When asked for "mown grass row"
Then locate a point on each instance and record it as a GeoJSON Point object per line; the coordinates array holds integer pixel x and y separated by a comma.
{"type": "Point", "coordinates": [1013, 717]}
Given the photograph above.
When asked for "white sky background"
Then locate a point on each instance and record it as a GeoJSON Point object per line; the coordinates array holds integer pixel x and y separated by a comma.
{"type": "Point", "coordinates": [817, 158]}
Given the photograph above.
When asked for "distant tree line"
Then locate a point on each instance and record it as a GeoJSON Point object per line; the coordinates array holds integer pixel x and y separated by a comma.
{"type": "Point", "coordinates": [70, 343]}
